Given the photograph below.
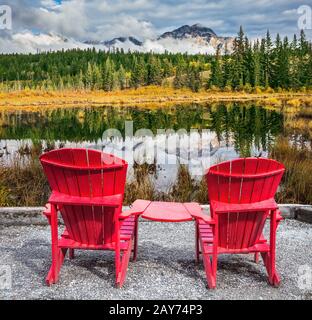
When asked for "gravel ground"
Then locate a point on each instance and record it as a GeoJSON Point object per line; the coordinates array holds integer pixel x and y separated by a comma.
{"type": "Point", "coordinates": [165, 268]}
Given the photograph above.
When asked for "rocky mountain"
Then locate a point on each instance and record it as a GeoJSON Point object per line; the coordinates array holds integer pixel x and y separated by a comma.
{"type": "Point", "coordinates": [186, 39]}
{"type": "Point", "coordinates": [197, 30]}
{"type": "Point", "coordinates": [195, 39]}
{"type": "Point", "coordinates": [117, 41]}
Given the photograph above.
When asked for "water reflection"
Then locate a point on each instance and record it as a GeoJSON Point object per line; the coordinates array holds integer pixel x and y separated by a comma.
{"type": "Point", "coordinates": [226, 131]}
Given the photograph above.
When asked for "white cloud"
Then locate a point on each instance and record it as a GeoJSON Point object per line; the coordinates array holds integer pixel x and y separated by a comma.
{"type": "Point", "coordinates": [124, 26]}
{"type": "Point", "coordinates": [51, 4]}
{"type": "Point", "coordinates": [190, 46]}
{"type": "Point", "coordinates": [27, 42]}
{"type": "Point", "coordinates": [68, 19]}
{"type": "Point", "coordinates": [145, 19]}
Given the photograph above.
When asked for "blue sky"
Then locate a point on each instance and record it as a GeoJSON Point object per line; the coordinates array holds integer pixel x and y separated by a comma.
{"type": "Point", "coordinates": [105, 19]}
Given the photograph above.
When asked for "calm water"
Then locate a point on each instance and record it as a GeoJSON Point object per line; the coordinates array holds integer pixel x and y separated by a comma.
{"type": "Point", "coordinates": [213, 133]}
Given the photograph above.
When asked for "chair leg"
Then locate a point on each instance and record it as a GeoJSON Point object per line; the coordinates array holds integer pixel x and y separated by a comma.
{"type": "Point", "coordinates": [211, 260]}
{"type": "Point", "coordinates": [256, 257]}
{"type": "Point", "coordinates": [269, 257]}
{"type": "Point", "coordinates": [196, 243]}
{"type": "Point", "coordinates": [71, 254]}
{"type": "Point", "coordinates": [210, 274]}
{"type": "Point", "coordinates": [274, 278]}
{"type": "Point", "coordinates": [58, 257]}
{"type": "Point", "coordinates": [123, 266]}
{"type": "Point", "coordinates": [210, 265]}
{"type": "Point", "coordinates": [215, 254]}
{"type": "Point", "coordinates": [58, 254]}
{"type": "Point", "coordinates": [117, 265]}
{"type": "Point", "coordinates": [136, 234]}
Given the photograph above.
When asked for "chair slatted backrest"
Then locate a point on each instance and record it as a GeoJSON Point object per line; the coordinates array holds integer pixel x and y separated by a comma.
{"type": "Point", "coordinates": [243, 181]}
{"type": "Point", "coordinates": [86, 173]}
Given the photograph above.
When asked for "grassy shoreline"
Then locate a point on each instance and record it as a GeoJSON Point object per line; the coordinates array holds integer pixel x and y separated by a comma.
{"type": "Point", "coordinates": [151, 96]}
{"type": "Point", "coordinates": [23, 183]}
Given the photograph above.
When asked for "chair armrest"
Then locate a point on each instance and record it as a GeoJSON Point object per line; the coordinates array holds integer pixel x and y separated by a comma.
{"type": "Point", "coordinates": [279, 216]}
{"type": "Point", "coordinates": [113, 201]}
{"type": "Point", "coordinates": [196, 211]}
{"type": "Point", "coordinates": [223, 207]}
{"type": "Point", "coordinates": [47, 212]}
{"type": "Point", "coordinates": [128, 213]}
{"type": "Point", "coordinates": [205, 218]}
{"type": "Point", "coordinates": [137, 208]}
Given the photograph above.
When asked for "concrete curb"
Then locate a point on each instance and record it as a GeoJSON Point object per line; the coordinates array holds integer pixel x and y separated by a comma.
{"type": "Point", "coordinates": [21, 216]}
{"type": "Point", "coordinates": [304, 215]}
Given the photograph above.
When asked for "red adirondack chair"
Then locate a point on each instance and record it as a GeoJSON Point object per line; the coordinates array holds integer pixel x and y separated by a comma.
{"type": "Point", "coordinates": [241, 194]}
{"type": "Point", "coordinates": [88, 190]}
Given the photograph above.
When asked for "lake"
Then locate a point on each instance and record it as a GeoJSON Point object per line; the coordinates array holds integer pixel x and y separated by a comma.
{"type": "Point", "coordinates": [195, 135]}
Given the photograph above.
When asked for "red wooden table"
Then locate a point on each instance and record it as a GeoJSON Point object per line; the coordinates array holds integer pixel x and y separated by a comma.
{"type": "Point", "coordinates": [171, 212]}
{"type": "Point", "coordinates": [166, 211]}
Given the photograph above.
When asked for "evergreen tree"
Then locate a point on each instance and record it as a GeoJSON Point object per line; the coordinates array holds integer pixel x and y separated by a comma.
{"type": "Point", "coordinates": [122, 78]}
{"type": "Point", "coordinates": [137, 76]}
{"type": "Point", "coordinates": [262, 64]}
{"type": "Point", "coordinates": [227, 71]}
{"type": "Point", "coordinates": [80, 82]}
{"type": "Point", "coordinates": [303, 59]}
{"type": "Point", "coordinates": [108, 75]}
{"type": "Point", "coordinates": [154, 71]}
{"type": "Point", "coordinates": [277, 63]}
{"type": "Point", "coordinates": [168, 68]}
{"type": "Point", "coordinates": [193, 77]}
{"type": "Point", "coordinates": [263, 69]}
{"type": "Point", "coordinates": [89, 77]}
{"type": "Point", "coordinates": [248, 63]}
{"type": "Point", "coordinates": [238, 60]}
{"type": "Point", "coordinates": [216, 77]}
{"type": "Point", "coordinates": [284, 65]}
{"type": "Point", "coordinates": [178, 81]}
{"type": "Point", "coordinates": [96, 77]}
{"type": "Point", "coordinates": [255, 65]}
{"type": "Point", "coordinates": [267, 60]}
